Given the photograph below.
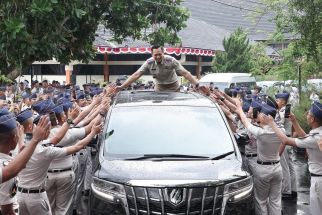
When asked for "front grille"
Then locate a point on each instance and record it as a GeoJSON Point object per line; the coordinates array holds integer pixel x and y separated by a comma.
{"type": "Point", "coordinates": [174, 201]}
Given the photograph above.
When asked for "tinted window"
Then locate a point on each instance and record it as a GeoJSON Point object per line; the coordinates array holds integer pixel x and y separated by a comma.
{"type": "Point", "coordinates": [167, 130]}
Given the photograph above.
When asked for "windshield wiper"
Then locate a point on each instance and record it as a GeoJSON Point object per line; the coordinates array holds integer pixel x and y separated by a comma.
{"type": "Point", "coordinates": [149, 156]}
{"type": "Point", "coordinates": [222, 155]}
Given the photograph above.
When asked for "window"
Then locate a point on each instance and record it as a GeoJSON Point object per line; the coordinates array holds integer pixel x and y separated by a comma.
{"type": "Point", "coordinates": [167, 130]}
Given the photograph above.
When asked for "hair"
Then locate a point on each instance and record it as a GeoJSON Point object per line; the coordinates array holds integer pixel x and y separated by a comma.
{"type": "Point", "coordinates": [318, 120]}
{"type": "Point", "coordinates": [156, 47]}
{"type": "Point", "coordinates": [7, 136]}
{"type": "Point", "coordinates": [27, 122]}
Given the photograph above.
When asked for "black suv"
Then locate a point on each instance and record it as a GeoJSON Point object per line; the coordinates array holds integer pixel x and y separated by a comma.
{"type": "Point", "coordinates": [168, 153]}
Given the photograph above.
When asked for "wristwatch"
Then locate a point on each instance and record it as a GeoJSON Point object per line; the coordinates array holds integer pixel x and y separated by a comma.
{"type": "Point", "coordinates": [103, 114]}
{"type": "Point", "coordinates": [70, 122]}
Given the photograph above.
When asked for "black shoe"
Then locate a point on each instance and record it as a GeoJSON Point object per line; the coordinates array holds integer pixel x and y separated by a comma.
{"type": "Point", "coordinates": [286, 196]}
{"type": "Point", "coordinates": [294, 194]}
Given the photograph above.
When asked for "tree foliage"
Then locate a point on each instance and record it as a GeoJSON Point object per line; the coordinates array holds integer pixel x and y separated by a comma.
{"type": "Point", "coordinates": [236, 57]}
{"type": "Point", "coordinates": [260, 62]}
{"type": "Point", "coordinates": [39, 30]}
{"type": "Point", "coordinates": [303, 20]}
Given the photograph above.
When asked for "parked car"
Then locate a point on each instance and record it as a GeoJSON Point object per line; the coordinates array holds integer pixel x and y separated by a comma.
{"type": "Point", "coordinates": [228, 80]}
{"type": "Point", "coordinates": [168, 153]}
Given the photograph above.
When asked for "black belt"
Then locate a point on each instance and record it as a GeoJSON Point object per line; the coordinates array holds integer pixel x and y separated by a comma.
{"type": "Point", "coordinates": [251, 155]}
{"type": "Point", "coordinates": [267, 162]}
{"type": "Point", "coordinates": [58, 170]}
{"type": "Point", "coordinates": [24, 190]}
{"type": "Point", "coordinates": [315, 175]}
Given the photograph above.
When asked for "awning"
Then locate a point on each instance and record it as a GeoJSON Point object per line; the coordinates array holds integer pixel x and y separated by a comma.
{"type": "Point", "coordinates": [145, 50]}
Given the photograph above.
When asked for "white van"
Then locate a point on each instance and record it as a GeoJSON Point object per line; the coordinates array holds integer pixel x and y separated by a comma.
{"type": "Point", "coordinates": [228, 80]}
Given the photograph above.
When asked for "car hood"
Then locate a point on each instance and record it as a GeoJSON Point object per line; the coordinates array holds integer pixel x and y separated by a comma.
{"type": "Point", "coordinates": [155, 173]}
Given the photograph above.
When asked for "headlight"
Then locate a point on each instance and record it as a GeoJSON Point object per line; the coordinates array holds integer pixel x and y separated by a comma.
{"type": "Point", "coordinates": [238, 190]}
{"type": "Point", "coordinates": [107, 190]}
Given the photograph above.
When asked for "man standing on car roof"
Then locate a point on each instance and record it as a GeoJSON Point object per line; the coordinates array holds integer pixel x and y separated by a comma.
{"type": "Point", "coordinates": [164, 69]}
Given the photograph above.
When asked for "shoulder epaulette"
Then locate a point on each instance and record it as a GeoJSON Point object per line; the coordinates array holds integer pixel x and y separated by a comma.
{"type": "Point", "coordinates": [150, 60]}
{"type": "Point", "coordinates": [308, 135]}
{"type": "Point", "coordinates": [255, 125]}
{"type": "Point", "coordinates": [47, 144]}
{"type": "Point", "coordinates": [168, 58]}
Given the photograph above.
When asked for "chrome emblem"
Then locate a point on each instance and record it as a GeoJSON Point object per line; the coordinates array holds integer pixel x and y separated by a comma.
{"type": "Point", "coordinates": [176, 196]}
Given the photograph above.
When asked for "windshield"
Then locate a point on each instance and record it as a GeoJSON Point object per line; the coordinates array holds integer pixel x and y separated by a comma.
{"type": "Point", "coordinates": [163, 130]}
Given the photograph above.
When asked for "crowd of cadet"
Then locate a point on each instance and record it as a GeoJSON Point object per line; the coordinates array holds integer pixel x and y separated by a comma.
{"type": "Point", "coordinates": [266, 130]}
{"type": "Point", "coordinates": [44, 131]}
{"type": "Point", "coordinates": [46, 166]}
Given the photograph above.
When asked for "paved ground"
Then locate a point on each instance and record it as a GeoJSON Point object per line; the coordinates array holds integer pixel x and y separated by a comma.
{"type": "Point", "coordinates": [301, 206]}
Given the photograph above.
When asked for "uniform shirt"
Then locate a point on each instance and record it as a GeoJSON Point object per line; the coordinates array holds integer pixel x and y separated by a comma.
{"type": "Point", "coordinates": [165, 72]}
{"type": "Point", "coordinates": [6, 188]}
{"type": "Point", "coordinates": [70, 138]}
{"type": "Point", "coordinates": [310, 142]}
{"type": "Point", "coordinates": [34, 174]}
{"type": "Point", "coordinates": [251, 147]}
{"type": "Point", "coordinates": [268, 144]}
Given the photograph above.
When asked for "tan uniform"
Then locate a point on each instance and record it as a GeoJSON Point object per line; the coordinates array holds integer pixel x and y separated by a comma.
{"type": "Point", "coordinates": [267, 172]}
{"type": "Point", "coordinates": [31, 195]}
{"type": "Point", "coordinates": [310, 143]}
{"type": "Point", "coordinates": [60, 183]}
{"type": "Point", "coordinates": [8, 188]}
{"type": "Point", "coordinates": [289, 175]}
{"type": "Point", "coordinates": [165, 73]}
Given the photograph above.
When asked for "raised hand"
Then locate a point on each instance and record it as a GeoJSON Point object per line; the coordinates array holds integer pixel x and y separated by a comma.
{"type": "Point", "coordinates": [266, 119]}
{"type": "Point", "coordinates": [292, 117]}
{"type": "Point", "coordinates": [74, 113]}
{"type": "Point", "coordinates": [110, 89]}
{"type": "Point", "coordinates": [96, 99]}
{"type": "Point", "coordinates": [96, 129]}
{"type": "Point", "coordinates": [42, 130]}
{"type": "Point", "coordinates": [204, 90]}
{"type": "Point", "coordinates": [20, 135]}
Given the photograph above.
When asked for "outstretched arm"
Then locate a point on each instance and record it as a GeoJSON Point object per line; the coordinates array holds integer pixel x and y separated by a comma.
{"type": "Point", "coordinates": [188, 76]}
{"type": "Point", "coordinates": [60, 134]}
{"type": "Point", "coordinates": [41, 132]}
{"type": "Point", "coordinates": [268, 120]}
{"type": "Point", "coordinates": [135, 76]}
{"type": "Point", "coordinates": [96, 129]}
{"type": "Point", "coordinates": [87, 110]}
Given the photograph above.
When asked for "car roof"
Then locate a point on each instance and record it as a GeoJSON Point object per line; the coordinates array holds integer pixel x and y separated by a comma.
{"type": "Point", "coordinates": [152, 98]}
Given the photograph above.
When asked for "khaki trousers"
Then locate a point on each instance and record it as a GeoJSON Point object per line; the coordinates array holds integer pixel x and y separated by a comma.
{"type": "Point", "coordinates": [316, 196]}
{"type": "Point", "coordinates": [173, 87]}
{"type": "Point", "coordinates": [33, 203]}
{"type": "Point", "coordinates": [60, 190]}
{"type": "Point", "coordinates": [267, 189]}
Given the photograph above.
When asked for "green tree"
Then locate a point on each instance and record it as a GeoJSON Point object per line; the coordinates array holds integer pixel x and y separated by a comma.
{"type": "Point", "coordinates": [261, 63]}
{"type": "Point", "coordinates": [39, 30]}
{"type": "Point", "coordinates": [302, 19]}
{"type": "Point", "coordinates": [236, 57]}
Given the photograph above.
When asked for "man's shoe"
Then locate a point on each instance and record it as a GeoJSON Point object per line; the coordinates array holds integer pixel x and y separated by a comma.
{"type": "Point", "coordinates": [286, 196]}
{"type": "Point", "coordinates": [294, 194]}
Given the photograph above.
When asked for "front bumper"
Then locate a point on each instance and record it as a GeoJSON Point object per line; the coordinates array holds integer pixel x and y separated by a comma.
{"type": "Point", "coordinates": [152, 201]}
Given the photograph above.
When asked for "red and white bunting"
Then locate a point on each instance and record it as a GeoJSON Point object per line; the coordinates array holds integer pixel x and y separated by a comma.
{"type": "Point", "coordinates": [145, 50]}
